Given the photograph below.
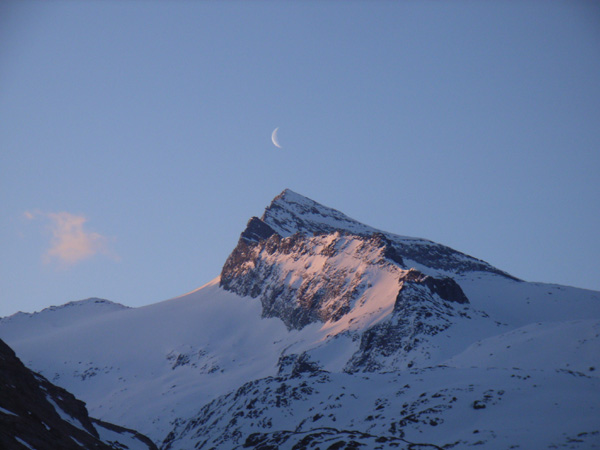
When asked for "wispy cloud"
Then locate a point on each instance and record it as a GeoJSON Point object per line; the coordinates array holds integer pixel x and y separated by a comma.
{"type": "Point", "coordinates": [70, 242]}
{"type": "Point", "coordinates": [30, 214]}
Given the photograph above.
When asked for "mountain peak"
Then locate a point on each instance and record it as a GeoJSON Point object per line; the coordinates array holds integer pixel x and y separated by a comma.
{"type": "Point", "coordinates": [291, 213]}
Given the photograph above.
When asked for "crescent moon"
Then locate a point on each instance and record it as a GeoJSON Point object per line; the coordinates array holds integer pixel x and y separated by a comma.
{"type": "Point", "coordinates": [274, 138]}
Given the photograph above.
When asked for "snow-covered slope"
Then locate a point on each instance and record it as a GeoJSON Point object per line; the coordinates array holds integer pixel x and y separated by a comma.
{"type": "Point", "coordinates": [148, 366]}
{"type": "Point", "coordinates": [76, 312]}
{"type": "Point", "coordinates": [322, 329]}
{"type": "Point", "coordinates": [441, 407]}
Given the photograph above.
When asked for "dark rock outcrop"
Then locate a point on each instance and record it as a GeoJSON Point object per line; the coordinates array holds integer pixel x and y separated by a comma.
{"type": "Point", "coordinates": [256, 230]}
{"type": "Point", "coordinates": [446, 287]}
{"type": "Point", "coordinates": [297, 365]}
{"type": "Point", "coordinates": [35, 413]}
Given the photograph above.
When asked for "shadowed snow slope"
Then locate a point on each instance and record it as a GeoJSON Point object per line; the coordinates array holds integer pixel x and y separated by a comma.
{"type": "Point", "coordinates": [324, 331]}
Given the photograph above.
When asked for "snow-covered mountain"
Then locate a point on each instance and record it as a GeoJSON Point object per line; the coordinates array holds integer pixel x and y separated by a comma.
{"type": "Point", "coordinates": [324, 332]}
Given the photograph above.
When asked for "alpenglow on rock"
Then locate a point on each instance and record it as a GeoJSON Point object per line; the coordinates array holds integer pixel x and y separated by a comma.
{"type": "Point", "coordinates": [291, 213]}
{"type": "Point", "coordinates": [310, 263]}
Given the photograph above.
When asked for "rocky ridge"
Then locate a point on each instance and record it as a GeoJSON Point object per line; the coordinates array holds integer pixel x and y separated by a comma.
{"type": "Point", "coordinates": [290, 213]}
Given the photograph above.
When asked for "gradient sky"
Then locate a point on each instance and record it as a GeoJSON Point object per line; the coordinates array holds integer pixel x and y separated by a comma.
{"type": "Point", "coordinates": [135, 136]}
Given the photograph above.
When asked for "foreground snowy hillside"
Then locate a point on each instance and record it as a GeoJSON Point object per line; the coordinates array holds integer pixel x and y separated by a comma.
{"type": "Point", "coordinates": [321, 330]}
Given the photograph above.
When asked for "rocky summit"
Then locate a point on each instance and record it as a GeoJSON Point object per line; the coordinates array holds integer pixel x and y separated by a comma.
{"type": "Point", "coordinates": [328, 256]}
{"type": "Point", "coordinates": [324, 333]}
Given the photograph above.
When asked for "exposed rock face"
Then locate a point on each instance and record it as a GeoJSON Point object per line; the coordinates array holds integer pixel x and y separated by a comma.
{"type": "Point", "coordinates": [34, 413]}
{"type": "Point", "coordinates": [304, 279]}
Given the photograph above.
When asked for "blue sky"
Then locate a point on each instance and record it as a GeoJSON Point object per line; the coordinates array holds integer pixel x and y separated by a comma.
{"type": "Point", "coordinates": [135, 136]}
